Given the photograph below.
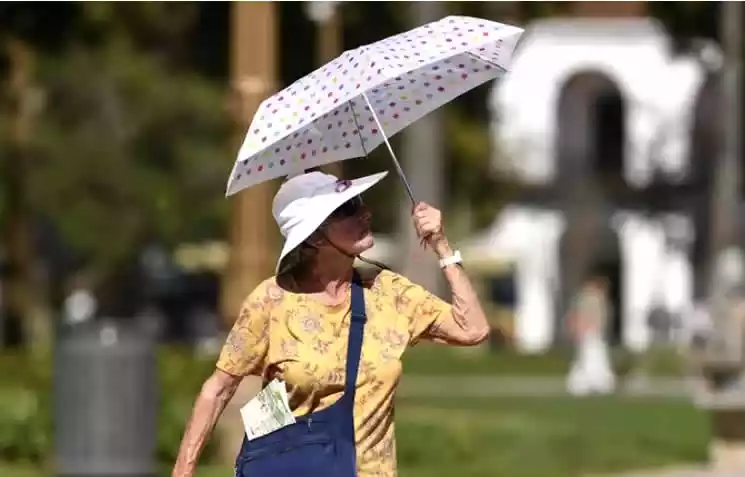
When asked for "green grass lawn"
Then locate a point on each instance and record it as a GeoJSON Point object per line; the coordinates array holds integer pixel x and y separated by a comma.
{"type": "Point", "coordinates": [7, 470]}
{"type": "Point", "coordinates": [532, 437]}
{"type": "Point", "coordinates": [541, 437]}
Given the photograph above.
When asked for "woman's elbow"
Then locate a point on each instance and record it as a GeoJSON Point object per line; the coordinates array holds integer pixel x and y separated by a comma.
{"type": "Point", "coordinates": [474, 336]}
{"type": "Point", "coordinates": [479, 336]}
{"type": "Point", "coordinates": [466, 329]}
{"type": "Point", "coordinates": [480, 328]}
{"type": "Point", "coordinates": [219, 386]}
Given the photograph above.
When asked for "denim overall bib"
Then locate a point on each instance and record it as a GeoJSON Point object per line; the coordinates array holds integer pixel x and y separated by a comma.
{"type": "Point", "coordinates": [320, 444]}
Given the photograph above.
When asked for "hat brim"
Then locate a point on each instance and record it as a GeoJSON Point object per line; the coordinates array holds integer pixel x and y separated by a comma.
{"type": "Point", "coordinates": [323, 206]}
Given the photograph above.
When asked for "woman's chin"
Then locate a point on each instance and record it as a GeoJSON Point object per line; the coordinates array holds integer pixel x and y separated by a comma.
{"type": "Point", "coordinates": [365, 244]}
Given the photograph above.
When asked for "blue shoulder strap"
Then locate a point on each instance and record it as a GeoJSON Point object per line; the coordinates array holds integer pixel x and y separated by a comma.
{"type": "Point", "coordinates": [356, 332]}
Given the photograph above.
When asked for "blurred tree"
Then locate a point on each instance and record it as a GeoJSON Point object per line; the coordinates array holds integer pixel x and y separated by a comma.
{"type": "Point", "coordinates": [127, 153]}
{"type": "Point", "coordinates": [129, 147]}
{"type": "Point", "coordinates": [18, 300]}
{"type": "Point", "coordinates": [687, 20]}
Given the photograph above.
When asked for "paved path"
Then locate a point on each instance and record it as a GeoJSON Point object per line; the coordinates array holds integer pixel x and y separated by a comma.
{"type": "Point", "coordinates": [676, 472]}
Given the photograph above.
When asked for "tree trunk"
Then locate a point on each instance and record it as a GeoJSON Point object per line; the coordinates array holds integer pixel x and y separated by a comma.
{"type": "Point", "coordinates": [251, 236]}
{"type": "Point", "coordinates": [23, 302]}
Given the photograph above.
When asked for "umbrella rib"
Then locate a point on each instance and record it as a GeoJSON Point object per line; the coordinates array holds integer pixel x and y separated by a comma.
{"type": "Point", "coordinates": [487, 61]}
{"type": "Point", "coordinates": [357, 125]}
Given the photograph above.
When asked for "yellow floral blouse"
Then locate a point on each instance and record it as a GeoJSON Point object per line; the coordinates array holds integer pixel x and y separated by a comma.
{"type": "Point", "coordinates": [298, 339]}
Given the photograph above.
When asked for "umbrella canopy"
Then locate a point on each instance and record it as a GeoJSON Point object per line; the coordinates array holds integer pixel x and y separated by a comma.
{"type": "Point", "coordinates": [351, 105]}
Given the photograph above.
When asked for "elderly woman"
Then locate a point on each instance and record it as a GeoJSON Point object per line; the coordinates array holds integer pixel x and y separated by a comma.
{"type": "Point", "coordinates": [334, 335]}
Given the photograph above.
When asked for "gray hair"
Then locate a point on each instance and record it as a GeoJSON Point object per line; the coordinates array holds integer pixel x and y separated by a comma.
{"type": "Point", "coordinates": [299, 260]}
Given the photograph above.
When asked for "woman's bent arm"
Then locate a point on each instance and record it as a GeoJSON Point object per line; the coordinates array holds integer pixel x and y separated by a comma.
{"type": "Point", "coordinates": [216, 392]}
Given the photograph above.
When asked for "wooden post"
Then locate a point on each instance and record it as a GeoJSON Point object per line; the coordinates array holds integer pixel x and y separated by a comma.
{"type": "Point", "coordinates": [329, 43]}
{"type": "Point", "coordinates": [329, 38]}
{"type": "Point", "coordinates": [18, 295]}
{"type": "Point", "coordinates": [724, 363]}
{"type": "Point", "coordinates": [252, 230]}
{"type": "Point", "coordinates": [252, 234]}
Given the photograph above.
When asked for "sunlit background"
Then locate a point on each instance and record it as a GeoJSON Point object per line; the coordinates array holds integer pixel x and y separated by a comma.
{"type": "Point", "coordinates": [603, 153]}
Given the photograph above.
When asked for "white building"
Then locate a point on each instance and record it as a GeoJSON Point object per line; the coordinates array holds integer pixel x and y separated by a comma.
{"type": "Point", "coordinates": [542, 113]}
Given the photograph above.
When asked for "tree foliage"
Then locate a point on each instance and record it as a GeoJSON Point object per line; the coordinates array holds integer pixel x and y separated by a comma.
{"type": "Point", "coordinates": [127, 152]}
{"type": "Point", "coordinates": [128, 145]}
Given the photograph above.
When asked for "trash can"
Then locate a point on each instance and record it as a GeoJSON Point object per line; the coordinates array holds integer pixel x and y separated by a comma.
{"type": "Point", "coordinates": [105, 401]}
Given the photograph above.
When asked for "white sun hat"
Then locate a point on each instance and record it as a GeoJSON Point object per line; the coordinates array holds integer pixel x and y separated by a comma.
{"type": "Point", "coordinates": [305, 201]}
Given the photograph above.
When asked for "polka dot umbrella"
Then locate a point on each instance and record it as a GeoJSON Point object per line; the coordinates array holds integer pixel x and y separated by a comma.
{"type": "Point", "coordinates": [354, 103]}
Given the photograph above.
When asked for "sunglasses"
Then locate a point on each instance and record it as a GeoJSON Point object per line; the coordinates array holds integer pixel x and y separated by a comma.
{"type": "Point", "coordinates": [349, 208]}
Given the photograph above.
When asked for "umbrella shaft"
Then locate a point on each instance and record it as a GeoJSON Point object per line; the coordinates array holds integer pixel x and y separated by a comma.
{"type": "Point", "coordinates": [399, 170]}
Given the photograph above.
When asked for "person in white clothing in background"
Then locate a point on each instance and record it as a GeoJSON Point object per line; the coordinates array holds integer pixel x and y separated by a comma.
{"type": "Point", "coordinates": [591, 370]}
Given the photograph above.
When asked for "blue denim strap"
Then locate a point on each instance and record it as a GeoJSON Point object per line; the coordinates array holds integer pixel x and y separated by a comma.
{"type": "Point", "coordinates": [356, 332]}
{"type": "Point", "coordinates": [354, 347]}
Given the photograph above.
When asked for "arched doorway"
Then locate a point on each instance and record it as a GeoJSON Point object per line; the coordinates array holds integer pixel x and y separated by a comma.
{"type": "Point", "coordinates": [591, 130]}
{"type": "Point", "coordinates": [604, 262]}
{"type": "Point", "coordinates": [590, 151]}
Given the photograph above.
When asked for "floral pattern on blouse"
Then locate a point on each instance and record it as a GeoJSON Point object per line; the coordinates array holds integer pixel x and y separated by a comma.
{"type": "Point", "coordinates": [298, 339]}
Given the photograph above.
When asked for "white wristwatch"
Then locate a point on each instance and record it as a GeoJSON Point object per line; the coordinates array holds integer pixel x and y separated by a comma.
{"type": "Point", "coordinates": [451, 260]}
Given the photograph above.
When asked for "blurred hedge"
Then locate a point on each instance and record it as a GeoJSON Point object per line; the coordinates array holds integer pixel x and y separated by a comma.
{"type": "Point", "coordinates": [26, 405]}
